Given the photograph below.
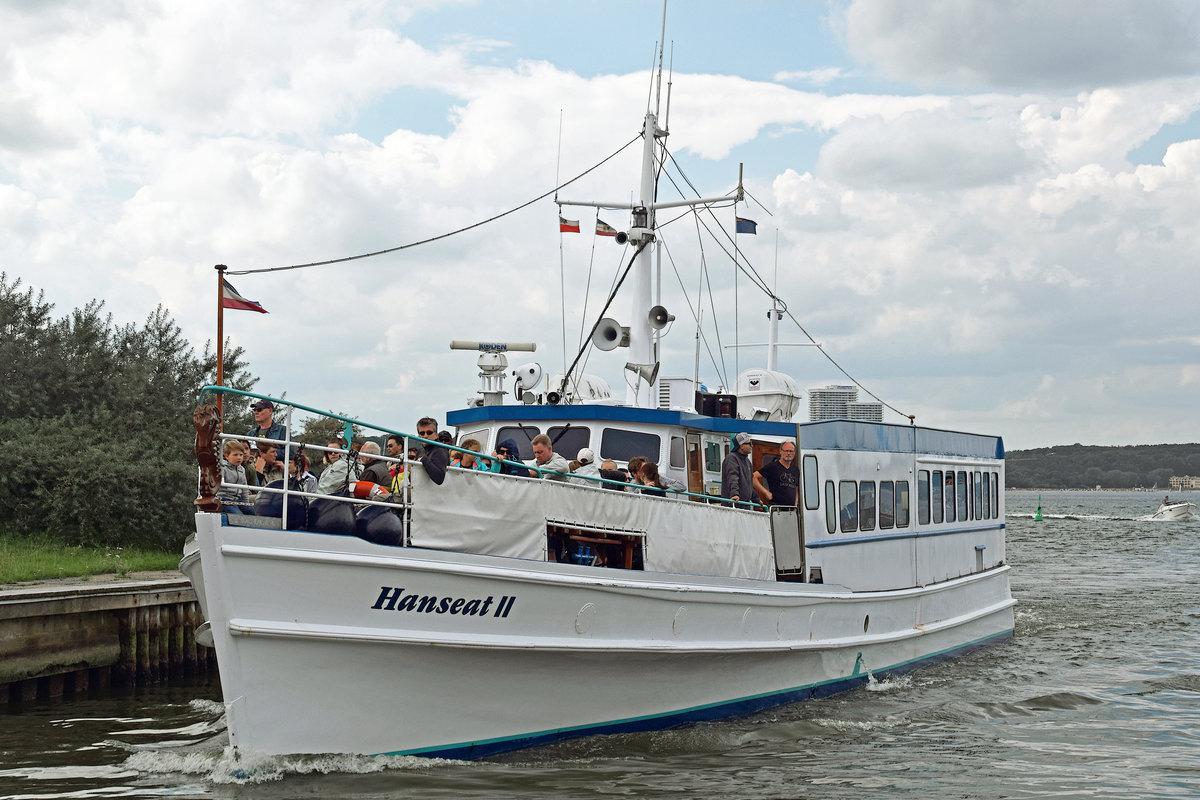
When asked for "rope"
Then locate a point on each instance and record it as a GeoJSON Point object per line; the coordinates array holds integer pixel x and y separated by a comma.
{"type": "Point", "coordinates": [441, 236]}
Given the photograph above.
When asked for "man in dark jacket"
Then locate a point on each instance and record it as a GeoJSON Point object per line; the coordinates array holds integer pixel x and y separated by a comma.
{"type": "Point", "coordinates": [737, 477]}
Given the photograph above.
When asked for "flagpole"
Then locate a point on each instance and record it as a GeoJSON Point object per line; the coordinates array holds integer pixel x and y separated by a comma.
{"type": "Point", "coordinates": [220, 268]}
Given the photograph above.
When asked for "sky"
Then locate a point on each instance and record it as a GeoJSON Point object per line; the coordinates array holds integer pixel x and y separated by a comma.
{"type": "Point", "coordinates": [985, 211]}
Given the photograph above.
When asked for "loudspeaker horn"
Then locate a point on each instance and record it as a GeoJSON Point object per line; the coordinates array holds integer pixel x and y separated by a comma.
{"type": "Point", "coordinates": [647, 372]}
{"type": "Point", "coordinates": [659, 318]}
{"type": "Point", "coordinates": [610, 335]}
{"type": "Point", "coordinates": [622, 237]}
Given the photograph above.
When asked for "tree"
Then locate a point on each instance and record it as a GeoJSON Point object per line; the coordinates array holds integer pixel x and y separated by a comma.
{"type": "Point", "coordinates": [96, 421]}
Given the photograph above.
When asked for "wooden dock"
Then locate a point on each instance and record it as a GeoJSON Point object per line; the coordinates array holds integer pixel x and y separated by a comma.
{"type": "Point", "coordinates": [62, 638]}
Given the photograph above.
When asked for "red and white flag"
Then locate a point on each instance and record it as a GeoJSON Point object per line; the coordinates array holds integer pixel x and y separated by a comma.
{"type": "Point", "coordinates": [231, 299]}
{"type": "Point", "coordinates": [567, 225]}
{"type": "Point", "coordinates": [604, 229]}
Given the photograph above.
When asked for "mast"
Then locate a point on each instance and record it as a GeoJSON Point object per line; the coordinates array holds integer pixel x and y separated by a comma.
{"type": "Point", "coordinates": [641, 341]}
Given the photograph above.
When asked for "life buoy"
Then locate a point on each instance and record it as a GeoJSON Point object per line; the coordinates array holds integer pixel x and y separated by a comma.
{"type": "Point", "coordinates": [365, 490]}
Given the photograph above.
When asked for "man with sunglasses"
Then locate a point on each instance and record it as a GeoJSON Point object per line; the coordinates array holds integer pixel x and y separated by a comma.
{"type": "Point", "coordinates": [265, 425]}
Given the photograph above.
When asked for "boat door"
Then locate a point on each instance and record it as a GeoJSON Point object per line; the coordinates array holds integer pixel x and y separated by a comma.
{"type": "Point", "coordinates": [763, 453]}
{"type": "Point", "coordinates": [695, 463]}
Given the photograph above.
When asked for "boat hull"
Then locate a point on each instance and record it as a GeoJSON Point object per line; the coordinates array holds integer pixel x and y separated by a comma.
{"type": "Point", "coordinates": [339, 645]}
{"type": "Point", "coordinates": [1175, 512]}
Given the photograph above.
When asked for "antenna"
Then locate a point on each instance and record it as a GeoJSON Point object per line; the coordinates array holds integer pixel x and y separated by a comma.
{"type": "Point", "coordinates": [661, 39]}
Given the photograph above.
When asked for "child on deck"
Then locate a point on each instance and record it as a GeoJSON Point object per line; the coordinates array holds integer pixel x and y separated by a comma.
{"type": "Point", "coordinates": [233, 500]}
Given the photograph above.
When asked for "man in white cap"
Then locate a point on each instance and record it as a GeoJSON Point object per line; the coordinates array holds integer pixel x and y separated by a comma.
{"type": "Point", "coordinates": [587, 466]}
{"type": "Point", "coordinates": [737, 477]}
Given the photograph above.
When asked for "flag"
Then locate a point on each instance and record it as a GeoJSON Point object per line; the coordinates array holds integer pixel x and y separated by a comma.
{"type": "Point", "coordinates": [604, 229]}
{"type": "Point", "coordinates": [746, 225]}
{"type": "Point", "coordinates": [567, 225]}
{"type": "Point", "coordinates": [231, 299]}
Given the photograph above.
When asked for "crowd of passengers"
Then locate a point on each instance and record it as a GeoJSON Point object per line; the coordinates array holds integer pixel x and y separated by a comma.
{"type": "Point", "coordinates": [258, 464]}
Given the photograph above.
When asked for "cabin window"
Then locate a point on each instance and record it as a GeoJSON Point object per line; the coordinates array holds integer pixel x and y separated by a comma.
{"type": "Point", "coordinates": [622, 445]}
{"type": "Point", "coordinates": [523, 436]}
{"type": "Point", "coordinates": [887, 504]}
{"type": "Point", "coordinates": [950, 496]}
{"type": "Point", "coordinates": [567, 441]}
{"type": "Point", "coordinates": [848, 490]}
{"type": "Point", "coordinates": [812, 499]}
{"type": "Point", "coordinates": [678, 458]}
{"type": "Point", "coordinates": [978, 496]}
{"type": "Point", "coordinates": [995, 495]}
{"type": "Point", "coordinates": [964, 511]}
{"type": "Point", "coordinates": [936, 487]}
{"type": "Point", "coordinates": [987, 495]}
{"type": "Point", "coordinates": [923, 497]}
{"type": "Point", "coordinates": [712, 457]}
{"type": "Point", "coordinates": [831, 508]}
{"type": "Point", "coordinates": [902, 504]}
{"type": "Point", "coordinates": [480, 436]}
{"type": "Point", "coordinates": [866, 506]}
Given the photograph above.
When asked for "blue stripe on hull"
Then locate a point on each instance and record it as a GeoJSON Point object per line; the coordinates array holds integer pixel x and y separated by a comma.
{"type": "Point", "coordinates": [734, 708]}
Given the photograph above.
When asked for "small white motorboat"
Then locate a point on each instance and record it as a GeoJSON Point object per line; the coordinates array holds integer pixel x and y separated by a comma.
{"type": "Point", "coordinates": [1174, 511]}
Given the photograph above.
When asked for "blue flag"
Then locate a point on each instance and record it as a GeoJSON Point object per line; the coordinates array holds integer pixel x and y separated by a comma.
{"type": "Point", "coordinates": [746, 225]}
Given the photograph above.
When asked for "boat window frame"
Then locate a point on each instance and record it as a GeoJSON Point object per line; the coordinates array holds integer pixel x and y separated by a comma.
{"type": "Point", "coordinates": [627, 451]}
{"type": "Point", "coordinates": [923, 497]}
{"type": "Point", "coordinates": [995, 495]}
{"type": "Point", "coordinates": [570, 452]}
{"type": "Point", "coordinates": [936, 494]}
{"type": "Point", "coordinates": [902, 505]}
{"type": "Point", "coordinates": [812, 494]}
{"type": "Point", "coordinates": [848, 512]}
{"type": "Point", "coordinates": [521, 437]}
{"type": "Point", "coordinates": [866, 490]}
{"type": "Point", "coordinates": [978, 494]}
{"type": "Point", "coordinates": [964, 498]}
{"type": "Point", "coordinates": [681, 461]}
{"type": "Point", "coordinates": [887, 520]}
{"type": "Point", "coordinates": [831, 508]}
{"type": "Point", "coordinates": [948, 495]}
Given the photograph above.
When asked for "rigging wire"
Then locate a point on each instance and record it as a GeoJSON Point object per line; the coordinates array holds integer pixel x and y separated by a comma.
{"type": "Point", "coordinates": [694, 312]}
{"type": "Point", "coordinates": [755, 278]}
{"type": "Point", "coordinates": [439, 237]}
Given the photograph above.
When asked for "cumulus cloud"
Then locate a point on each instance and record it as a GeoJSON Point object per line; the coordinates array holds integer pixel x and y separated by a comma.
{"type": "Point", "coordinates": [1023, 44]}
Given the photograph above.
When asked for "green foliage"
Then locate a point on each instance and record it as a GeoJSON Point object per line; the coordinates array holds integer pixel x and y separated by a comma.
{"type": "Point", "coordinates": [96, 421]}
{"type": "Point", "coordinates": [1080, 466]}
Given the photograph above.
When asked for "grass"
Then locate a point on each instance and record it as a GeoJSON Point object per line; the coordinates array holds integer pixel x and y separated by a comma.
{"type": "Point", "coordinates": [31, 558]}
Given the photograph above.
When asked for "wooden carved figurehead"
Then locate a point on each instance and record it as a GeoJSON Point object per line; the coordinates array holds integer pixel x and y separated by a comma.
{"type": "Point", "coordinates": [208, 453]}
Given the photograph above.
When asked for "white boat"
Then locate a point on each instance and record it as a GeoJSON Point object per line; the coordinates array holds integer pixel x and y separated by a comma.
{"type": "Point", "coordinates": [1174, 511]}
{"type": "Point", "coordinates": [515, 611]}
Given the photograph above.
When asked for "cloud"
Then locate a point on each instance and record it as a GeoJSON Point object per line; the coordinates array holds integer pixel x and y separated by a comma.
{"type": "Point", "coordinates": [1022, 44]}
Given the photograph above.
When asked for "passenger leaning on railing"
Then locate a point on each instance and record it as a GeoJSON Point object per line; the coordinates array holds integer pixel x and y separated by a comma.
{"type": "Point", "coordinates": [554, 467]}
{"type": "Point", "coordinates": [587, 468]}
{"type": "Point", "coordinates": [507, 450]}
{"type": "Point", "coordinates": [470, 460]}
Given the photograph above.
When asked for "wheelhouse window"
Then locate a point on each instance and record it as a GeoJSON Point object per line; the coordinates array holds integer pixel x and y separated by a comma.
{"type": "Point", "coordinates": [866, 506]}
{"type": "Point", "coordinates": [987, 495]}
{"type": "Point", "coordinates": [887, 504]}
{"type": "Point", "coordinates": [567, 441]}
{"type": "Point", "coordinates": [523, 436]}
{"type": "Point", "coordinates": [936, 487]}
{"type": "Point", "coordinates": [812, 499]}
{"type": "Point", "coordinates": [923, 497]}
{"type": "Point", "coordinates": [902, 505]}
{"type": "Point", "coordinates": [622, 445]}
{"type": "Point", "coordinates": [848, 511]}
{"type": "Point", "coordinates": [831, 508]}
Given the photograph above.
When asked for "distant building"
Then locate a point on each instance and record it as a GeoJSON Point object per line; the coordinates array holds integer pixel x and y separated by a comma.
{"type": "Point", "coordinates": [867, 412]}
{"type": "Point", "coordinates": [1179, 483]}
{"type": "Point", "coordinates": [841, 402]}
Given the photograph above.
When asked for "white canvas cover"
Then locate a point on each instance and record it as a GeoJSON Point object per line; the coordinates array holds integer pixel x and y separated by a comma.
{"type": "Point", "coordinates": [476, 512]}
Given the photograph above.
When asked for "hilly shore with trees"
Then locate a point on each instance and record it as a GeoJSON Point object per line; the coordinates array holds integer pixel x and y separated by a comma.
{"type": "Point", "coordinates": [1080, 466]}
